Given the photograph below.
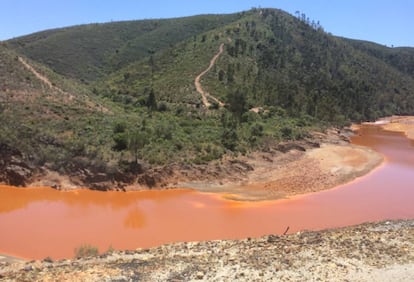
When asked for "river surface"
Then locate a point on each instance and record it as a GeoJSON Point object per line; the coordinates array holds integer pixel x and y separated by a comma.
{"type": "Point", "coordinates": [39, 222]}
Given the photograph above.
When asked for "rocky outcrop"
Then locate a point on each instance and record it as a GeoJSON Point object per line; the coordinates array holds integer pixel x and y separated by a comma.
{"type": "Point", "coordinates": [13, 168]}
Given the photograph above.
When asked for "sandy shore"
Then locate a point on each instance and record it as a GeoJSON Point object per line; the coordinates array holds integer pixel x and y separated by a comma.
{"type": "Point", "coordinates": [296, 172]}
{"type": "Point", "coordinates": [404, 124]}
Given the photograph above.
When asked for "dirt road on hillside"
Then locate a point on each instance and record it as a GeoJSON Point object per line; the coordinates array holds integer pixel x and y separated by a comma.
{"type": "Point", "coordinates": [205, 95]}
{"type": "Point", "coordinates": [67, 96]}
{"type": "Point", "coordinates": [41, 77]}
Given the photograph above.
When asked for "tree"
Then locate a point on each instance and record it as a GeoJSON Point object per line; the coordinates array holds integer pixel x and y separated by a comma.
{"type": "Point", "coordinates": [237, 104]}
{"type": "Point", "coordinates": [152, 101]}
{"type": "Point", "coordinates": [221, 75]}
{"type": "Point", "coordinates": [137, 140]}
{"type": "Point", "coordinates": [256, 131]}
{"type": "Point", "coordinates": [229, 137]}
{"type": "Point", "coordinates": [230, 73]}
{"type": "Point", "coordinates": [119, 137]}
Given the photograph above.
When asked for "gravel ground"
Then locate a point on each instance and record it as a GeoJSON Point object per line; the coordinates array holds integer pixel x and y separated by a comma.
{"type": "Point", "coordinates": [381, 251]}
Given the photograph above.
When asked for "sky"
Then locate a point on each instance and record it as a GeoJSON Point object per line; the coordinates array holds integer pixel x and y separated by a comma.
{"type": "Point", "coordinates": [388, 22]}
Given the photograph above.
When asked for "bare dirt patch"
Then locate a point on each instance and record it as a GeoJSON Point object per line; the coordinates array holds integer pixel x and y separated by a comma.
{"type": "Point", "coordinates": [301, 169]}
{"type": "Point", "coordinates": [403, 124]}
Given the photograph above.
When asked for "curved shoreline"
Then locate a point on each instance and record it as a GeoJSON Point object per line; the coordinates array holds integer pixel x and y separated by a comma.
{"type": "Point", "coordinates": [290, 169]}
{"type": "Point", "coordinates": [312, 171]}
{"type": "Point", "coordinates": [267, 176]}
{"type": "Point", "coordinates": [329, 171]}
{"type": "Point", "coordinates": [404, 124]}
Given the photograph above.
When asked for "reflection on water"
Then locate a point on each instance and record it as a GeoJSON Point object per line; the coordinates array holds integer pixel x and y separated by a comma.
{"type": "Point", "coordinates": [41, 222]}
{"type": "Point", "coordinates": [134, 219]}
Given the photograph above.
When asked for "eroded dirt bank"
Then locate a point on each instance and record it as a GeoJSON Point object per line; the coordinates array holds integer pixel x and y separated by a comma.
{"type": "Point", "coordinates": [370, 252]}
{"type": "Point", "coordinates": [294, 168]}
{"type": "Point", "coordinates": [320, 162]}
{"type": "Point", "coordinates": [403, 124]}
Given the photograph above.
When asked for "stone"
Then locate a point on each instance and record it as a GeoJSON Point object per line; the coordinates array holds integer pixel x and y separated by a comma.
{"type": "Point", "coordinates": [200, 275]}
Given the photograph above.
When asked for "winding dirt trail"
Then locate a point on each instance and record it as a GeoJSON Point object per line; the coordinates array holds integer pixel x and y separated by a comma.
{"type": "Point", "coordinates": [41, 77]}
{"type": "Point", "coordinates": [205, 95]}
{"type": "Point", "coordinates": [68, 96]}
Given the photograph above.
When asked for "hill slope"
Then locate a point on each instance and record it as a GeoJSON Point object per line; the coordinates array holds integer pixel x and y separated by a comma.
{"type": "Point", "coordinates": [137, 101]}
{"type": "Point", "coordinates": [274, 59]}
{"type": "Point", "coordinates": [47, 121]}
{"type": "Point", "coordinates": [88, 52]}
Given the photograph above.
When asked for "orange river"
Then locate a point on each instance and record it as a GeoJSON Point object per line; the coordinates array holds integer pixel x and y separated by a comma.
{"type": "Point", "coordinates": [39, 222]}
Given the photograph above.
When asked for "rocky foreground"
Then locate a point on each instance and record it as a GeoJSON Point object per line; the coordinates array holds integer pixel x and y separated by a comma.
{"type": "Point", "coordinates": [370, 252]}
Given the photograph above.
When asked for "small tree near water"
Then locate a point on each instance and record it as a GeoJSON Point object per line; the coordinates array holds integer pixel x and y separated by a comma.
{"type": "Point", "coordinates": [137, 140]}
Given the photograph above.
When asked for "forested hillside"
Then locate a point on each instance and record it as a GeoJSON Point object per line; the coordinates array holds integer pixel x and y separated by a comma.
{"type": "Point", "coordinates": [88, 52]}
{"type": "Point", "coordinates": [273, 59]}
{"type": "Point", "coordinates": [122, 97]}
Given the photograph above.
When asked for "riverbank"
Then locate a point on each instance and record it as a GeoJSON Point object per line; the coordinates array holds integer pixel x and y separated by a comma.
{"type": "Point", "coordinates": [299, 168]}
{"type": "Point", "coordinates": [381, 251]}
{"type": "Point", "coordinates": [296, 173]}
{"type": "Point", "coordinates": [379, 199]}
{"type": "Point", "coordinates": [404, 124]}
{"type": "Point", "coordinates": [319, 162]}
{"type": "Point", "coordinates": [322, 162]}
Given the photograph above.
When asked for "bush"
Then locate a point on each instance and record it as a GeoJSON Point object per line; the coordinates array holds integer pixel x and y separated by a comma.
{"type": "Point", "coordinates": [121, 142]}
{"type": "Point", "coordinates": [86, 251]}
{"type": "Point", "coordinates": [120, 127]}
{"type": "Point", "coordinates": [162, 107]}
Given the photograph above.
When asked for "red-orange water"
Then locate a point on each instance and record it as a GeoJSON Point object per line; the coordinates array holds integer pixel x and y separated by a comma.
{"type": "Point", "coordinates": [41, 222]}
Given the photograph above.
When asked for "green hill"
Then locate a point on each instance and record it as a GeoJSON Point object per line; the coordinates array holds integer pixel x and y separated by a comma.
{"type": "Point", "coordinates": [88, 52]}
{"type": "Point", "coordinates": [124, 92]}
{"type": "Point", "coordinates": [277, 60]}
{"type": "Point", "coordinates": [48, 118]}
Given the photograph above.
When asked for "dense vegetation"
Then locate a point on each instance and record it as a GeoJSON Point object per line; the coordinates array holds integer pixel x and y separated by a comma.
{"type": "Point", "coordinates": [134, 99]}
{"type": "Point", "coordinates": [276, 60]}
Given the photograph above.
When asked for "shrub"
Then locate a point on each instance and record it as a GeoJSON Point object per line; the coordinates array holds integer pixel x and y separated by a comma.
{"type": "Point", "coordinates": [162, 107]}
{"type": "Point", "coordinates": [120, 127]}
{"type": "Point", "coordinates": [121, 142]}
{"type": "Point", "coordinates": [86, 251]}
{"type": "Point", "coordinates": [110, 249]}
